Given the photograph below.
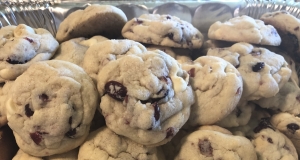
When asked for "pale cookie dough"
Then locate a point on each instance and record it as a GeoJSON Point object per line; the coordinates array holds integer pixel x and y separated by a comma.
{"type": "Point", "coordinates": [73, 50]}
{"type": "Point", "coordinates": [97, 56]}
{"type": "Point", "coordinates": [270, 143]}
{"type": "Point", "coordinates": [263, 71]}
{"type": "Point", "coordinates": [21, 46]}
{"type": "Point", "coordinates": [51, 113]}
{"type": "Point", "coordinates": [104, 144]}
{"type": "Point", "coordinates": [4, 89]}
{"type": "Point", "coordinates": [244, 29]}
{"type": "Point", "coordinates": [164, 30]}
{"type": "Point", "coordinates": [289, 125]}
{"type": "Point", "coordinates": [217, 86]}
{"type": "Point", "coordinates": [145, 97]}
{"type": "Point", "coordinates": [286, 100]}
{"type": "Point", "coordinates": [208, 145]}
{"type": "Point", "coordinates": [288, 27]}
{"type": "Point", "coordinates": [181, 58]}
{"type": "Point", "coordinates": [70, 155]}
{"type": "Point", "coordinates": [239, 116]}
{"type": "Point", "coordinates": [104, 20]}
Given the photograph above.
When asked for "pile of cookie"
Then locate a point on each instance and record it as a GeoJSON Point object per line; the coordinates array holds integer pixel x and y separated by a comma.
{"type": "Point", "coordinates": [110, 88]}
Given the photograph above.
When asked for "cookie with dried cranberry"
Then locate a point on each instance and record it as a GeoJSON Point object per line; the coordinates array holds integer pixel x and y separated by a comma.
{"type": "Point", "coordinates": [145, 97]}
{"type": "Point", "coordinates": [85, 23]}
{"type": "Point", "coordinates": [21, 46]}
{"type": "Point", "coordinates": [70, 155]}
{"type": "Point", "coordinates": [4, 89]}
{"type": "Point", "coordinates": [286, 100]}
{"type": "Point", "coordinates": [164, 30]}
{"type": "Point", "coordinates": [97, 56]}
{"type": "Point", "coordinates": [244, 29]}
{"type": "Point", "coordinates": [263, 71]}
{"type": "Point", "coordinates": [73, 50]}
{"type": "Point", "coordinates": [288, 27]}
{"type": "Point", "coordinates": [288, 124]}
{"type": "Point", "coordinates": [217, 87]}
{"type": "Point", "coordinates": [208, 144]}
{"type": "Point", "coordinates": [51, 113]}
{"type": "Point", "coordinates": [269, 143]}
{"type": "Point", "coordinates": [104, 144]}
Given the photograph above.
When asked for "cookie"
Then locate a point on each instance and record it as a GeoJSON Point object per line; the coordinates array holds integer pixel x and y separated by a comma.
{"type": "Point", "coordinates": [70, 155]}
{"type": "Point", "coordinates": [269, 143]}
{"type": "Point", "coordinates": [207, 144]}
{"type": "Point", "coordinates": [73, 50]}
{"type": "Point", "coordinates": [51, 113]}
{"type": "Point", "coordinates": [244, 29]}
{"type": "Point", "coordinates": [287, 26]}
{"type": "Point", "coordinates": [286, 100]}
{"type": "Point", "coordinates": [8, 145]}
{"type": "Point", "coordinates": [288, 124]}
{"type": "Point", "coordinates": [4, 89]}
{"type": "Point", "coordinates": [97, 56]}
{"type": "Point", "coordinates": [239, 116]}
{"type": "Point", "coordinates": [180, 57]}
{"type": "Point", "coordinates": [145, 97]}
{"type": "Point", "coordinates": [217, 86]}
{"type": "Point", "coordinates": [263, 71]}
{"type": "Point", "coordinates": [104, 144]}
{"type": "Point", "coordinates": [21, 46]}
{"type": "Point", "coordinates": [164, 30]}
{"type": "Point", "coordinates": [104, 20]}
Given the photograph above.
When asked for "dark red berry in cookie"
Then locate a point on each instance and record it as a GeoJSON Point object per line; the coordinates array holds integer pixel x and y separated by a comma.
{"type": "Point", "coordinates": [205, 148]}
{"type": "Point", "coordinates": [71, 133]}
{"type": "Point", "coordinates": [44, 97]}
{"type": "Point", "coordinates": [10, 61]}
{"type": "Point", "coordinates": [36, 137]}
{"type": "Point", "coordinates": [168, 17]}
{"type": "Point", "coordinates": [293, 127]}
{"type": "Point", "coordinates": [258, 66]}
{"type": "Point", "coordinates": [156, 111]}
{"type": "Point", "coordinates": [170, 35]}
{"type": "Point", "coordinates": [28, 111]}
{"type": "Point", "coordinates": [116, 90]}
{"type": "Point", "coordinates": [170, 132]}
{"type": "Point", "coordinates": [139, 21]}
{"type": "Point", "coordinates": [191, 72]}
{"type": "Point", "coordinates": [29, 40]}
{"type": "Point", "coordinates": [270, 140]}
{"type": "Point", "coordinates": [263, 124]}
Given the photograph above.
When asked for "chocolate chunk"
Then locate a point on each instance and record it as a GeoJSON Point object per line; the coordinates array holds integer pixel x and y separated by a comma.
{"type": "Point", "coordinates": [156, 111]}
{"type": "Point", "coordinates": [170, 132]}
{"type": "Point", "coordinates": [28, 111]}
{"type": "Point", "coordinates": [205, 148]}
{"type": "Point", "coordinates": [263, 124]}
{"type": "Point", "coordinates": [292, 127]}
{"type": "Point", "coordinates": [116, 90]}
{"type": "Point", "coordinates": [258, 66]}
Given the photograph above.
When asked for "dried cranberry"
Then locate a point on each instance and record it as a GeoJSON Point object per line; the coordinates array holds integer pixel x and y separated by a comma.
{"type": "Point", "coordinates": [139, 21]}
{"type": "Point", "coordinates": [170, 35]}
{"type": "Point", "coordinates": [170, 132]}
{"type": "Point", "coordinates": [44, 97]}
{"type": "Point", "coordinates": [36, 137]}
{"type": "Point", "coordinates": [156, 111]}
{"type": "Point", "coordinates": [258, 66]}
{"type": "Point", "coordinates": [191, 72]}
{"type": "Point", "coordinates": [116, 90]}
{"type": "Point", "coordinates": [270, 140]}
{"type": "Point", "coordinates": [205, 148]}
{"type": "Point", "coordinates": [293, 127]}
{"type": "Point", "coordinates": [29, 40]}
{"type": "Point", "coordinates": [28, 111]}
{"type": "Point", "coordinates": [168, 17]}
{"type": "Point", "coordinates": [10, 61]}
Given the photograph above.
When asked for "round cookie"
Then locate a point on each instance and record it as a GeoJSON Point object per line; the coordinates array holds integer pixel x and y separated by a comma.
{"type": "Point", "coordinates": [51, 113]}
{"type": "Point", "coordinates": [263, 71]}
{"type": "Point", "coordinates": [244, 29]}
{"type": "Point", "coordinates": [104, 20]}
{"type": "Point", "coordinates": [8, 145]}
{"type": "Point", "coordinates": [286, 100]}
{"type": "Point", "coordinates": [288, 124]}
{"type": "Point", "coordinates": [239, 116]}
{"type": "Point", "coordinates": [269, 143]}
{"type": "Point", "coordinates": [104, 144]}
{"type": "Point", "coordinates": [217, 87]}
{"type": "Point", "coordinates": [145, 97]}
{"type": "Point", "coordinates": [4, 89]}
{"type": "Point", "coordinates": [287, 26]}
{"type": "Point", "coordinates": [70, 155]}
{"type": "Point", "coordinates": [97, 56]}
{"type": "Point", "coordinates": [164, 30]}
{"type": "Point", "coordinates": [207, 145]}
{"type": "Point", "coordinates": [73, 50]}
{"type": "Point", "coordinates": [21, 46]}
